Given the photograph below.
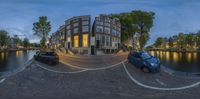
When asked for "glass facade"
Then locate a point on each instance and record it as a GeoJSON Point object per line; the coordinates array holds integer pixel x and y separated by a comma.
{"type": "Point", "coordinates": [107, 41]}
{"type": "Point", "coordinates": [85, 40]}
{"type": "Point", "coordinates": [75, 24]}
{"type": "Point", "coordinates": [99, 29]}
{"type": "Point", "coordinates": [107, 30]}
{"type": "Point", "coordinates": [68, 39]}
{"type": "Point", "coordinates": [69, 26]}
{"type": "Point", "coordinates": [85, 23]}
{"type": "Point", "coordinates": [75, 30]}
{"type": "Point", "coordinates": [76, 40]}
{"type": "Point", "coordinates": [85, 28]}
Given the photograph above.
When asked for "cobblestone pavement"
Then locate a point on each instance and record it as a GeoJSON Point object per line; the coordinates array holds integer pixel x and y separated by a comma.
{"type": "Point", "coordinates": [36, 82]}
{"type": "Point", "coordinates": [93, 61]}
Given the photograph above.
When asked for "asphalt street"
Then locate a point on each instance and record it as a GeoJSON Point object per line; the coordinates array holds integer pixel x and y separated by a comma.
{"type": "Point", "coordinates": [96, 78]}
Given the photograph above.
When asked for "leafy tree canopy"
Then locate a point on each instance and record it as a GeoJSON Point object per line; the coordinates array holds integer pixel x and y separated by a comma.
{"type": "Point", "coordinates": [3, 37]}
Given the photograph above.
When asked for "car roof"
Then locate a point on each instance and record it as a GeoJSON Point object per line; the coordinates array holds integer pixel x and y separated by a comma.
{"type": "Point", "coordinates": [140, 52]}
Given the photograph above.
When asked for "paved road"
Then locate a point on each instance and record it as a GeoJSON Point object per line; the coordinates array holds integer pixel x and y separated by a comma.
{"type": "Point", "coordinates": [93, 61]}
{"type": "Point", "coordinates": [40, 81]}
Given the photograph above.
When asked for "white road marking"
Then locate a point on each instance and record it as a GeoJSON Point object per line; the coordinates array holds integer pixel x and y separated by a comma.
{"type": "Point", "coordinates": [60, 71]}
{"type": "Point", "coordinates": [2, 80]}
{"type": "Point", "coordinates": [158, 88]}
{"type": "Point", "coordinates": [83, 69]}
{"type": "Point", "coordinates": [160, 82]}
{"type": "Point", "coordinates": [101, 68]}
{"type": "Point", "coordinates": [27, 63]}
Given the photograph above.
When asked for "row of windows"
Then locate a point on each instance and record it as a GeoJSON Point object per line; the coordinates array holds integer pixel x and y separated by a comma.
{"type": "Point", "coordinates": [101, 23]}
{"type": "Point", "coordinates": [99, 29]}
{"type": "Point", "coordinates": [107, 19]}
{"type": "Point", "coordinates": [107, 30]}
{"type": "Point", "coordinates": [106, 40]}
{"type": "Point", "coordinates": [84, 29]}
{"type": "Point", "coordinates": [84, 40]}
{"type": "Point", "coordinates": [116, 33]}
{"type": "Point", "coordinates": [77, 24]}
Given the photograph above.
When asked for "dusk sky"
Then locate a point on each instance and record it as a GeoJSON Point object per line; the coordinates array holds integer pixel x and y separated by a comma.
{"type": "Point", "coordinates": [172, 16]}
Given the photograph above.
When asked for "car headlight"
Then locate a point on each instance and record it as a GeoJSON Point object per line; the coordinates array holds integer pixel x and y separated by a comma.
{"type": "Point", "coordinates": [152, 64]}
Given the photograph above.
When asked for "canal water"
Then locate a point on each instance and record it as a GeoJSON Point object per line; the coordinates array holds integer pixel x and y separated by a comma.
{"type": "Point", "coordinates": [179, 61]}
{"type": "Point", "coordinates": [9, 61]}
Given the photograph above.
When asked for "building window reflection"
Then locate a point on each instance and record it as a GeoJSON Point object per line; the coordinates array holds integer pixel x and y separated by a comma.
{"type": "Point", "coordinates": [85, 40]}
{"type": "Point", "coordinates": [76, 41]}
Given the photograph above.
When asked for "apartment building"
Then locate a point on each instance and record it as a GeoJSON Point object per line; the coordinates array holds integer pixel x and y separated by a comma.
{"type": "Point", "coordinates": [107, 32]}
{"type": "Point", "coordinates": [78, 36]}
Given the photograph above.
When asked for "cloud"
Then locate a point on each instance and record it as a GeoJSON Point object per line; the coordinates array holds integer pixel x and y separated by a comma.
{"type": "Point", "coordinates": [172, 16]}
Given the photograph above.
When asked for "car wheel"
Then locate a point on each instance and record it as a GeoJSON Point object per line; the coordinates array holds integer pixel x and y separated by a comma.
{"type": "Point", "coordinates": [145, 69]}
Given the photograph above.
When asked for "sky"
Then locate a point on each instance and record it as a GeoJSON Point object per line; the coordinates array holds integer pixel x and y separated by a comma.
{"type": "Point", "coordinates": [171, 16]}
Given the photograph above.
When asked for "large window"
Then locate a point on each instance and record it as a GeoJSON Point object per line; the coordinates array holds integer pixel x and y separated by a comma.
{"type": "Point", "coordinates": [85, 40]}
{"type": "Point", "coordinates": [118, 33]}
{"type": "Point", "coordinates": [69, 26]}
{"type": "Point", "coordinates": [75, 24]}
{"type": "Point", "coordinates": [85, 22]}
{"type": "Point", "coordinates": [107, 30]}
{"type": "Point", "coordinates": [85, 28]}
{"type": "Point", "coordinates": [75, 30]}
{"type": "Point", "coordinates": [107, 24]}
{"type": "Point", "coordinates": [97, 37]}
{"type": "Point", "coordinates": [68, 39]}
{"type": "Point", "coordinates": [85, 18]}
{"type": "Point", "coordinates": [99, 29]}
{"type": "Point", "coordinates": [107, 41]}
{"type": "Point", "coordinates": [76, 41]}
{"type": "Point", "coordinates": [114, 32]}
{"type": "Point", "coordinates": [68, 22]}
{"type": "Point", "coordinates": [103, 40]}
{"type": "Point", "coordinates": [99, 22]}
{"type": "Point", "coordinates": [68, 32]}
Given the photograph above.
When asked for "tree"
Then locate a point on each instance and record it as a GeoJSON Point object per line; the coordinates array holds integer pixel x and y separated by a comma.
{"type": "Point", "coordinates": [3, 37]}
{"type": "Point", "coordinates": [171, 42]}
{"type": "Point", "coordinates": [159, 41]}
{"type": "Point", "coordinates": [143, 22]}
{"type": "Point", "coordinates": [189, 39]}
{"type": "Point", "coordinates": [127, 29]}
{"type": "Point", "coordinates": [198, 39]}
{"type": "Point", "coordinates": [42, 42]}
{"type": "Point", "coordinates": [17, 40]}
{"type": "Point", "coordinates": [26, 42]}
{"type": "Point", "coordinates": [136, 22]}
{"type": "Point", "coordinates": [180, 40]}
{"type": "Point", "coordinates": [42, 28]}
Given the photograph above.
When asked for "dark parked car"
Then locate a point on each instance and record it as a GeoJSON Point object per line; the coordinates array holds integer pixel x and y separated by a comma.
{"type": "Point", "coordinates": [144, 61]}
{"type": "Point", "coordinates": [47, 57]}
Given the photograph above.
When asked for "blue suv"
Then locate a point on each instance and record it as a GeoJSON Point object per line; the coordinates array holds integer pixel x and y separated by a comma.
{"type": "Point", "coordinates": [144, 61]}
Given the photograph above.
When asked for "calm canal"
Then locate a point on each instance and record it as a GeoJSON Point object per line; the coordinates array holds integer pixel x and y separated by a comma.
{"type": "Point", "coordinates": [179, 61]}
{"type": "Point", "coordinates": [10, 61]}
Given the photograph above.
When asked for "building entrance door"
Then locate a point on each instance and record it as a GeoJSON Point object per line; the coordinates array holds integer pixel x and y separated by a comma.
{"type": "Point", "coordinates": [98, 44]}
{"type": "Point", "coordinates": [92, 50]}
{"type": "Point", "coordinates": [68, 45]}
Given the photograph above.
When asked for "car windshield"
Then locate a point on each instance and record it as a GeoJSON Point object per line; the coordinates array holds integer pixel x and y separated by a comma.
{"type": "Point", "coordinates": [48, 53]}
{"type": "Point", "coordinates": [145, 56]}
{"type": "Point", "coordinates": [51, 53]}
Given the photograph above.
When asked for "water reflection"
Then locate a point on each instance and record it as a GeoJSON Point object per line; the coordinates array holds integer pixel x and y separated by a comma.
{"type": "Point", "coordinates": [13, 60]}
{"type": "Point", "coordinates": [182, 61]}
